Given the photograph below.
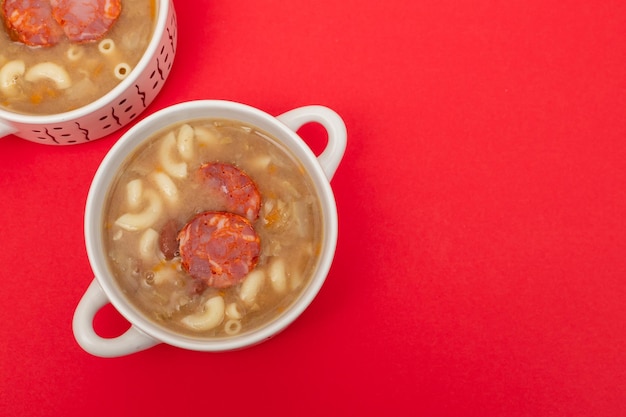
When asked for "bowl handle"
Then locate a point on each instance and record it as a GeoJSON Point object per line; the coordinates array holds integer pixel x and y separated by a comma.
{"type": "Point", "coordinates": [133, 340]}
{"type": "Point", "coordinates": [337, 136]}
{"type": "Point", "coordinates": [6, 129]}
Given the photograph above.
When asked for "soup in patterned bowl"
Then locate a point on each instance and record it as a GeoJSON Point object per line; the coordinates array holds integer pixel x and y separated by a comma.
{"type": "Point", "coordinates": [71, 73]}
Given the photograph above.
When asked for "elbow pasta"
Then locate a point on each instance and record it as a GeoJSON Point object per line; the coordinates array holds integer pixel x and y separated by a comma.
{"type": "Point", "coordinates": [208, 319]}
{"type": "Point", "coordinates": [121, 70]}
{"type": "Point", "coordinates": [166, 151]}
{"type": "Point", "coordinates": [134, 192]}
{"type": "Point", "coordinates": [205, 136]}
{"type": "Point", "coordinates": [166, 186]}
{"type": "Point", "coordinates": [50, 71]}
{"type": "Point", "coordinates": [296, 281]}
{"type": "Point", "coordinates": [107, 47]}
{"type": "Point", "coordinates": [278, 276]}
{"type": "Point", "coordinates": [184, 142]}
{"type": "Point", "coordinates": [148, 244]}
{"type": "Point", "coordinates": [251, 286]}
{"type": "Point", "coordinates": [232, 327]}
{"type": "Point", "coordinates": [144, 219]}
{"type": "Point", "coordinates": [74, 53]}
{"type": "Point", "coordinates": [164, 272]}
{"type": "Point", "coordinates": [261, 162]}
{"type": "Point", "coordinates": [119, 234]}
{"type": "Point", "coordinates": [233, 311]}
{"type": "Point", "coordinates": [10, 73]}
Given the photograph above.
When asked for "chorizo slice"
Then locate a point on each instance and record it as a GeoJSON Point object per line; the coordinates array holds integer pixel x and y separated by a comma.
{"type": "Point", "coordinates": [219, 248]}
{"type": "Point", "coordinates": [232, 187]}
{"type": "Point", "coordinates": [85, 21]}
{"type": "Point", "coordinates": [31, 22]}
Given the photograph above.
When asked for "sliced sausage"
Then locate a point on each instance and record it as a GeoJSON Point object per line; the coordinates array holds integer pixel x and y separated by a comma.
{"type": "Point", "coordinates": [219, 248]}
{"type": "Point", "coordinates": [232, 187]}
{"type": "Point", "coordinates": [85, 21]}
{"type": "Point", "coordinates": [31, 22]}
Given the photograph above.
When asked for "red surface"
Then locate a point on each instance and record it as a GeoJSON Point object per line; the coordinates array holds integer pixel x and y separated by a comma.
{"type": "Point", "coordinates": [481, 263]}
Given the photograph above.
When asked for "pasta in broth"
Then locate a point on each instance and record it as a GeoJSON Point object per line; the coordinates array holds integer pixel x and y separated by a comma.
{"type": "Point", "coordinates": [67, 75]}
{"type": "Point", "coordinates": [159, 186]}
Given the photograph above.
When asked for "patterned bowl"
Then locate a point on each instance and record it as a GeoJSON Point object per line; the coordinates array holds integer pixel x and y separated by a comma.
{"type": "Point", "coordinates": [115, 109]}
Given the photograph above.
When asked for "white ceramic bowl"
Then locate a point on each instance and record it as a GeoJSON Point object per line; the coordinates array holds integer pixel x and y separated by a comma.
{"type": "Point", "coordinates": [145, 333]}
{"type": "Point", "coordinates": [115, 109]}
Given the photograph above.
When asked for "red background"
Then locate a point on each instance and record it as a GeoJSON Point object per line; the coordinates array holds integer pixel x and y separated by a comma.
{"type": "Point", "coordinates": [481, 262]}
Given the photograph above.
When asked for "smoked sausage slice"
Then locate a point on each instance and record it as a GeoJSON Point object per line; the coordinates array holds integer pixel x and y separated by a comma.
{"type": "Point", "coordinates": [219, 248]}
{"type": "Point", "coordinates": [31, 22]}
{"type": "Point", "coordinates": [84, 21]}
{"type": "Point", "coordinates": [43, 22]}
{"type": "Point", "coordinates": [234, 189]}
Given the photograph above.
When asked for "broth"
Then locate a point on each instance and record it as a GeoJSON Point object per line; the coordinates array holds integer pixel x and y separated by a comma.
{"type": "Point", "coordinates": [82, 72]}
{"type": "Point", "coordinates": [158, 184]}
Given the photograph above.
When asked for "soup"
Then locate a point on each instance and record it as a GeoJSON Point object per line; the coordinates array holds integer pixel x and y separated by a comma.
{"type": "Point", "coordinates": [212, 228]}
{"type": "Point", "coordinates": [67, 74]}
